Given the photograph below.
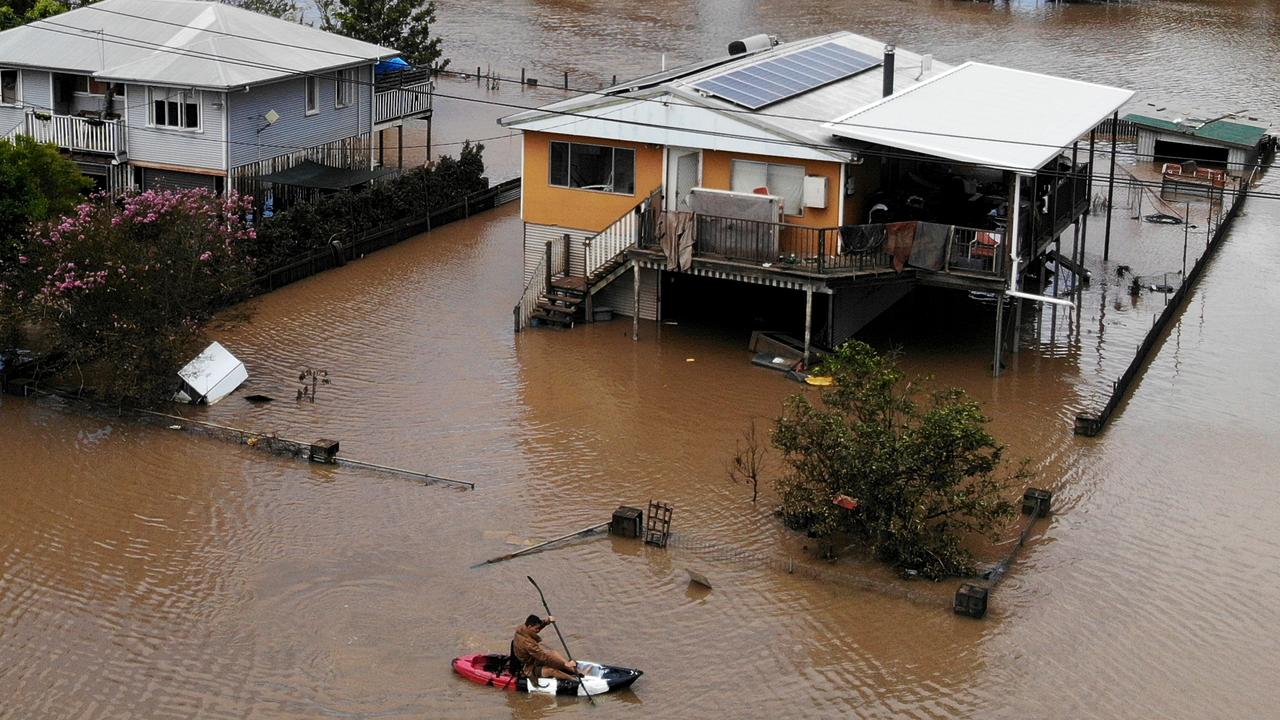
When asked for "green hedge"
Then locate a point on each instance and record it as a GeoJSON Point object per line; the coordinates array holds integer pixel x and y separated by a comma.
{"type": "Point", "coordinates": [307, 227]}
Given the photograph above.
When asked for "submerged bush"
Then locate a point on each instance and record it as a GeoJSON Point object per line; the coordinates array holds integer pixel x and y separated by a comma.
{"type": "Point", "coordinates": [307, 227]}
{"type": "Point", "coordinates": [923, 473]}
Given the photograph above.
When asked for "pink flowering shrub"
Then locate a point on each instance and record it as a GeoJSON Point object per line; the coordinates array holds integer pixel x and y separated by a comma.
{"type": "Point", "coordinates": [125, 285]}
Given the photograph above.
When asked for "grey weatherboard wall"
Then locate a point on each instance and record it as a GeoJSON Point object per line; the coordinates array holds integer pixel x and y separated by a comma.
{"type": "Point", "coordinates": [295, 129]}
{"type": "Point", "coordinates": [205, 149]}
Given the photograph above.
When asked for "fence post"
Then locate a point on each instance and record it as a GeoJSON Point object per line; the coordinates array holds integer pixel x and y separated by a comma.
{"type": "Point", "coordinates": [822, 248]}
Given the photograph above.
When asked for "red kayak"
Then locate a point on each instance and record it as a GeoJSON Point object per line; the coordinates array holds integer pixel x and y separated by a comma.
{"type": "Point", "coordinates": [492, 670]}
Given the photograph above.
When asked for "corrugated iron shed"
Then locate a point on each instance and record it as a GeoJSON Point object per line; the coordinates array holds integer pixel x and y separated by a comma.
{"type": "Point", "coordinates": [1227, 132]}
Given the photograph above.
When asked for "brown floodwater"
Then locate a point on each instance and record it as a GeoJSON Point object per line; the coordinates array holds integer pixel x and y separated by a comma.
{"type": "Point", "coordinates": [151, 573]}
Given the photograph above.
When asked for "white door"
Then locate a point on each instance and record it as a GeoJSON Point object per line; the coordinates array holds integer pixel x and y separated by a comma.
{"type": "Point", "coordinates": [684, 167]}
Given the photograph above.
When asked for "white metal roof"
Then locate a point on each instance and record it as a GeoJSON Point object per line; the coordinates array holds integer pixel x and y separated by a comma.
{"type": "Point", "coordinates": [986, 115]}
{"type": "Point", "coordinates": [790, 128]}
{"type": "Point", "coordinates": [168, 42]}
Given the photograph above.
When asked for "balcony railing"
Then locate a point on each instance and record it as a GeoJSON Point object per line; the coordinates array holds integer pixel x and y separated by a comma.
{"type": "Point", "coordinates": [410, 100]}
{"type": "Point", "coordinates": [77, 133]}
{"type": "Point", "coordinates": [781, 246]}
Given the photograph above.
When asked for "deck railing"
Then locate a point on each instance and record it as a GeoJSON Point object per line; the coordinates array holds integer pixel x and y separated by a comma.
{"type": "Point", "coordinates": [800, 247]}
{"type": "Point", "coordinates": [974, 251]}
{"type": "Point", "coordinates": [77, 133]}
{"type": "Point", "coordinates": [408, 101]}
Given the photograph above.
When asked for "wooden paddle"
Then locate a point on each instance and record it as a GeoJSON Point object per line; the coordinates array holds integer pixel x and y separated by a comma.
{"type": "Point", "coordinates": [581, 680]}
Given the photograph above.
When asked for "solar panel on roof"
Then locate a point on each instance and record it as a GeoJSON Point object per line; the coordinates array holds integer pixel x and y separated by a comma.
{"type": "Point", "coordinates": [773, 79]}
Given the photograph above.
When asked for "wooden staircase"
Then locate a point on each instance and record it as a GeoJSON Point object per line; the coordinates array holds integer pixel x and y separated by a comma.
{"type": "Point", "coordinates": [562, 304]}
{"type": "Point", "coordinates": [552, 296]}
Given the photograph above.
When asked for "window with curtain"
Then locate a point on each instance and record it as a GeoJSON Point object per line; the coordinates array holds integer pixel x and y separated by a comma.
{"type": "Point", "coordinates": [313, 95]}
{"type": "Point", "coordinates": [344, 88]}
{"type": "Point", "coordinates": [785, 181]}
{"type": "Point", "coordinates": [175, 108]}
{"type": "Point", "coordinates": [593, 167]}
{"type": "Point", "coordinates": [9, 94]}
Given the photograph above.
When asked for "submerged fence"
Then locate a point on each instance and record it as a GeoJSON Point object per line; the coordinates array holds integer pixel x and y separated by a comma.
{"type": "Point", "coordinates": [339, 253]}
{"type": "Point", "coordinates": [1092, 422]}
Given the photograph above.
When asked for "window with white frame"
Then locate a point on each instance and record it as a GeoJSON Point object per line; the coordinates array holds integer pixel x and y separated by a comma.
{"type": "Point", "coordinates": [175, 108]}
{"type": "Point", "coordinates": [313, 95]}
{"type": "Point", "coordinates": [344, 88]}
{"type": "Point", "coordinates": [785, 181]}
{"type": "Point", "coordinates": [593, 167]}
{"type": "Point", "coordinates": [10, 87]}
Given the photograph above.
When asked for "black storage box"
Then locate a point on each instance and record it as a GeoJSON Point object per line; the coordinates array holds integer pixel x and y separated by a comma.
{"type": "Point", "coordinates": [627, 522]}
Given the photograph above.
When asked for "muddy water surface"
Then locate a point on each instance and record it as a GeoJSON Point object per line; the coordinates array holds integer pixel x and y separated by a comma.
{"type": "Point", "coordinates": [151, 573]}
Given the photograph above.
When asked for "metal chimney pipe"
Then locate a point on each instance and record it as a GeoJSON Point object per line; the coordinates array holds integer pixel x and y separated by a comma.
{"type": "Point", "coordinates": [889, 57]}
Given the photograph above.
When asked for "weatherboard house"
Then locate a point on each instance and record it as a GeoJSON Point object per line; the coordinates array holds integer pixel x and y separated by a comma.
{"type": "Point", "coordinates": [181, 94]}
{"type": "Point", "coordinates": [819, 179]}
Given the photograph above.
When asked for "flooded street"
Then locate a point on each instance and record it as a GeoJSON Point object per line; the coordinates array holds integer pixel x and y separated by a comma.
{"type": "Point", "coordinates": [148, 573]}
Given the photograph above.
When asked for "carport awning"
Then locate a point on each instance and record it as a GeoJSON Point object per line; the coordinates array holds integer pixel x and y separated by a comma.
{"type": "Point", "coordinates": [986, 115]}
{"type": "Point", "coordinates": [310, 174]}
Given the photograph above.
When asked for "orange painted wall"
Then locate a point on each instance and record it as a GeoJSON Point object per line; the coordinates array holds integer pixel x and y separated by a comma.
{"type": "Point", "coordinates": [717, 174]}
{"type": "Point", "coordinates": [588, 210]}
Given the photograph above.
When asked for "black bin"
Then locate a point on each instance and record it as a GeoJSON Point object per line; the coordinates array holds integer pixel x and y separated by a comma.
{"type": "Point", "coordinates": [1036, 502]}
{"type": "Point", "coordinates": [324, 451]}
{"type": "Point", "coordinates": [627, 522]}
{"type": "Point", "coordinates": [971, 600]}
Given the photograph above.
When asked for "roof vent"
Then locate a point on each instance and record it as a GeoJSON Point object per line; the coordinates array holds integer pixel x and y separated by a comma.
{"type": "Point", "coordinates": [751, 44]}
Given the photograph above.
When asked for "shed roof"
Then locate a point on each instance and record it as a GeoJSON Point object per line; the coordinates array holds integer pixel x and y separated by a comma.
{"type": "Point", "coordinates": [986, 115]}
{"type": "Point", "coordinates": [180, 42]}
{"type": "Point", "coordinates": [311, 174]}
{"type": "Point", "coordinates": [1228, 132]}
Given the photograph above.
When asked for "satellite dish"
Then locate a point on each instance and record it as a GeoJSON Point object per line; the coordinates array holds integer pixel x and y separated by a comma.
{"type": "Point", "coordinates": [272, 117]}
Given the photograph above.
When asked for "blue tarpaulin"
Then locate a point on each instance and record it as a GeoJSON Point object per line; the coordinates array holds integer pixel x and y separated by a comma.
{"type": "Point", "coordinates": [393, 65]}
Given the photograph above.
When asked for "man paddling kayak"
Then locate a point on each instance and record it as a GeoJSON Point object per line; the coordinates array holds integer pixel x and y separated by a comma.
{"type": "Point", "coordinates": [536, 661]}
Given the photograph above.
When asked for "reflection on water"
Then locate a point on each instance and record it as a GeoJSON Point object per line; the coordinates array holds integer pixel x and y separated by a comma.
{"type": "Point", "coordinates": [151, 573]}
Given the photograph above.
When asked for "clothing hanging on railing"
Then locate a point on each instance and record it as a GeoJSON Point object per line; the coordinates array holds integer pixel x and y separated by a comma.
{"type": "Point", "coordinates": [930, 249]}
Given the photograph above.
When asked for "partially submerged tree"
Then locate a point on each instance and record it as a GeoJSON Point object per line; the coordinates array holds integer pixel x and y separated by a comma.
{"type": "Point", "coordinates": [123, 287]}
{"type": "Point", "coordinates": [918, 474]}
{"type": "Point", "coordinates": [401, 24]}
{"type": "Point", "coordinates": [747, 464]}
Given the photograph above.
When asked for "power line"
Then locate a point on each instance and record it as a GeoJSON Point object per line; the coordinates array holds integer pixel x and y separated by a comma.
{"type": "Point", "coordinates": [601, 93]}
{"type": "Point", "coordinates": [581, 92]}
{"type": "Point", "coordinates": [145, 45]}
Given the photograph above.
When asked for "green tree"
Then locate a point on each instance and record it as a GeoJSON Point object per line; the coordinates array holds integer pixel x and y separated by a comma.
{"type": "Point", "coordinates": [37, 183]}
{"type": "Point", "coordinates": [922, 473]}
{"type": "Point", "coordinates": [283, 9]}
{"type": "Point", "coordinates": [20, 12]}
{"type": "Point", "coordinates": [401, 24]}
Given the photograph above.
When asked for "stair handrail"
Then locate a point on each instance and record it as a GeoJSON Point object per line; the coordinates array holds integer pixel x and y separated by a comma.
{"type": "Point", "coordinates": [601, 249]}
{"type": "Point", "coordinates": [533, 290]}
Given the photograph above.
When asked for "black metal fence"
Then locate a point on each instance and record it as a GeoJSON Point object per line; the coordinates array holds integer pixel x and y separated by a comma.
{"type": "Point", "coordinates": [1091, 423]}
{"type": "Point", "coordinates": [811, 249]}
{"type": "Point", "coordinates": [340, 251]}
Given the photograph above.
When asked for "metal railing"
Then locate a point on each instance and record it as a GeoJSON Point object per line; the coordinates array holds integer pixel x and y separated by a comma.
{"type": "Point", "coordinates": [975, 251]}
{"type": "Point", "coordinates": [813, 249]}
{"type": "Point", "coordinates": [77, 133]}
{"type": "Point", "coordinates": [401, 102]}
